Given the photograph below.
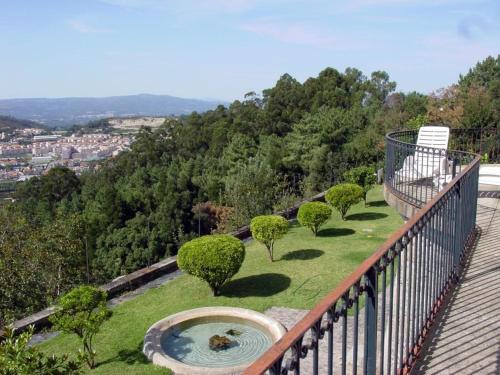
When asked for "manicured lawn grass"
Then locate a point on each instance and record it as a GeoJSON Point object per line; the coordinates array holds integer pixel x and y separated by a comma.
{"type": "Point", "coordinates": [305, 269]}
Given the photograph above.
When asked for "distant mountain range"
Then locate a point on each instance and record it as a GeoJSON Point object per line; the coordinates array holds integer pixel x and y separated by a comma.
{"type": "Point", "coordinates": [64, 112]}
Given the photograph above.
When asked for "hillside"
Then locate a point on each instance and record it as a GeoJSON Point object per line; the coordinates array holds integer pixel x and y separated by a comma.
{"type": "Point", "coordinates": [8, 123]}
{"type": "Point", "coordinates": [69, 111]}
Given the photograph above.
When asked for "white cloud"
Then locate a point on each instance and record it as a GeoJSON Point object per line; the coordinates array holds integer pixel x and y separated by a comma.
{"type": "Point", "coordinates": [354, 5]}
{"type": "Point", "coordinates": [228, 5]}
{"type": "Point", "coordinates": [291, 33]}
{"type": "Point", "coordinates": [194, 5]}
{"type": "Point", "coordinates": [448, 49]}
{"type": "Point", "coordinates": [409, 2]}
{"type": "Point", "coordinates": [473, 26]}
{"type": "Point", "coordinates": [85, 28]}
{"type": "Point", "coordinates": [131, 3]}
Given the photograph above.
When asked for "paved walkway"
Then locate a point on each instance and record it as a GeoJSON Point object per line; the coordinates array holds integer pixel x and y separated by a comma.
{"type": "Point", "coordinates": [466, 337]}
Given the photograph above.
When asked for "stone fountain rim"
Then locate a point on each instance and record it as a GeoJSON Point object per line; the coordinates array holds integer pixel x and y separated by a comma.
{"type": "Point", "coordinates": [155, 353]}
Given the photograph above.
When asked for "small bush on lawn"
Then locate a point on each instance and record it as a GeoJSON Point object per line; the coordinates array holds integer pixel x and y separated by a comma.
{"type": "Point", "coordinates": [214, 259]}
{"type": "Point", "coordinates": [362, 176]}
{"type": "Point", "coordinates": [82, 311]}
{"type": "Point", "coordinates": [267, 229]}
{"type": "Point", "coordinates": [313, 215]}
{"type": "Point", "coordinates": [343, 196]}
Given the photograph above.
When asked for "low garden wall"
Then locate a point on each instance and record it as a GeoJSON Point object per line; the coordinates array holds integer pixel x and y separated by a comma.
{"type": "Point", "coordinates": [142, 276]}
{"type": "Point", "coordinates": [114, 288]}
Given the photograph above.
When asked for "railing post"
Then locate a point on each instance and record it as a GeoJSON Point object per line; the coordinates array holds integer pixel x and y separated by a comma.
{"type": "Point", "coordinates": [371, 287]}
{"type": "Point", "coordinates": [276, 368]}
{"type": "Point", "coordinates": [458, 228]}
{"type": "Point", "coordinates": [454, 167]}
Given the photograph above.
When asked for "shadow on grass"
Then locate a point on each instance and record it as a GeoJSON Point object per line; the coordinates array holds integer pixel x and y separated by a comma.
{"type": "Point", "coordinates": [130, 357]}
{"type": "Point", "coordinates": [302, 254]}
{"type": "Point", "coordinates": [335, 232]}
{"type": "Point", "coordinates": [378, 204]}
{"type": "Point", "coordinates": [364, 216]}
{"type": "Point", "coordinates": [263, 285]}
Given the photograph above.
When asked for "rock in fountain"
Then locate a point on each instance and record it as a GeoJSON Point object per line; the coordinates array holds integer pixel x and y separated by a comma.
{"type": "Point", "coordinates": [217, 343]}
{"type": "Point", "coordinates": [233, 332]}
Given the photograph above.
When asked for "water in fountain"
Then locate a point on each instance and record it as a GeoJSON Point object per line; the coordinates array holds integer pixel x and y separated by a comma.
{"type": "Point", "coordinates": [189, 342]}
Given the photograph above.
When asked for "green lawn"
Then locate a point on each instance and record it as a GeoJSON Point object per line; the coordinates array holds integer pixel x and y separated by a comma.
{"type": "Point", "coordinates": [305, 269]}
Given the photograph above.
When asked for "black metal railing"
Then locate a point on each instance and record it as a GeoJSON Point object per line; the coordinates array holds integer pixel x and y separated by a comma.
{"type": "Point", "coordinates": [401, 287]}
{"type": "Point", "coordinates": [417, 173]}
{"type": "Point", "coordinates": [485, 142]}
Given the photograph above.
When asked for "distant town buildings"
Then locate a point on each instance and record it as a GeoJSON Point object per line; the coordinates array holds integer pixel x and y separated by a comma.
{"type": "Point", "coordinates": [29, 152]}
{"type": "Point", "coordinates": [46, 137]}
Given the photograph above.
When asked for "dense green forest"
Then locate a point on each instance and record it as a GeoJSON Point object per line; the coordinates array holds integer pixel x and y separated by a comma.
{"type": "Point", "coordinates": [214, 172]}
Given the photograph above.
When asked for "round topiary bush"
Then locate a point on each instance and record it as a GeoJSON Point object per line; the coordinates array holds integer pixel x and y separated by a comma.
{"type": "Point", "coordinates": [214, 259]}
{"type": "Point", "coordinates": [267, 229]}
{"type": "Point", "coordinates": [313, 215]}
{"type": "Point", "coordinates": [343, 196]}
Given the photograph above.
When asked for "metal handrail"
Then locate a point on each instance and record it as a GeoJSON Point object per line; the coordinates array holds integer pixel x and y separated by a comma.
{"type": "Point", "coordinates": [415, 268]}
{"type": "Point", "coordinates": [402, 175]}
{"type": "Point", "coordinates": [417, 173]}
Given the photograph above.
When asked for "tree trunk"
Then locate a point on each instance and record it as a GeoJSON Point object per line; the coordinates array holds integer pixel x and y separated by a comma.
{"type": "Point", "coordinates": [89, 358]}
{"type": "Point", "coordinates": [270, 251]}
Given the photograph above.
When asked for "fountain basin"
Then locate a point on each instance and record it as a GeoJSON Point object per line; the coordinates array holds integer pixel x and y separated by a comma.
{"type": "Point", "coordinates": [181, 341]}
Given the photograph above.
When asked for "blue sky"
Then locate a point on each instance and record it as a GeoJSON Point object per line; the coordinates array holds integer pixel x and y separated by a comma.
{"type": "Point", "coordinates": [223, 49]}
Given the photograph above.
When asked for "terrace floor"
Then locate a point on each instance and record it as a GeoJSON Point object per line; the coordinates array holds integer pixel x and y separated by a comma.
{"type": "Point", "coordinates": [466, 335]}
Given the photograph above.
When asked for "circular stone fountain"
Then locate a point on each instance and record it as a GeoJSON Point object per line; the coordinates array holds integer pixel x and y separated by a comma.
{"type": "Point", "coordinates": [182, 342]}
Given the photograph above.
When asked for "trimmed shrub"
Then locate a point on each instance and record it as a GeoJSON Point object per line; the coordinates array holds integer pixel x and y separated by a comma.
{"type": "Point", "coordinates": [313, 215]}
{"type": "Point", "coordinates": [343, 196]}
{"type": "Point", "coordinates": [213, 258]}
{"type": "Point", "coordinates": [362, 176]}
{"type": "Point", "coordinates": [267, 229]}
{"type": "Point", "coordinates": [82, 311]}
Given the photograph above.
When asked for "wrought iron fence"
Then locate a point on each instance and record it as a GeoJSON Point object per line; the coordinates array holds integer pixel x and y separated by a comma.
{"type": "Point", "coordinates": [485, 142]}
{"type": "Point", "coordinates": [376, 320]}
{"type": "Point", "coordinates": [417, 173]}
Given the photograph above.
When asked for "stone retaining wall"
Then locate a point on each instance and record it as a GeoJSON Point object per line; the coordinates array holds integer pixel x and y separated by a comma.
{"type": "Point", "coordinates": [114, 288]}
